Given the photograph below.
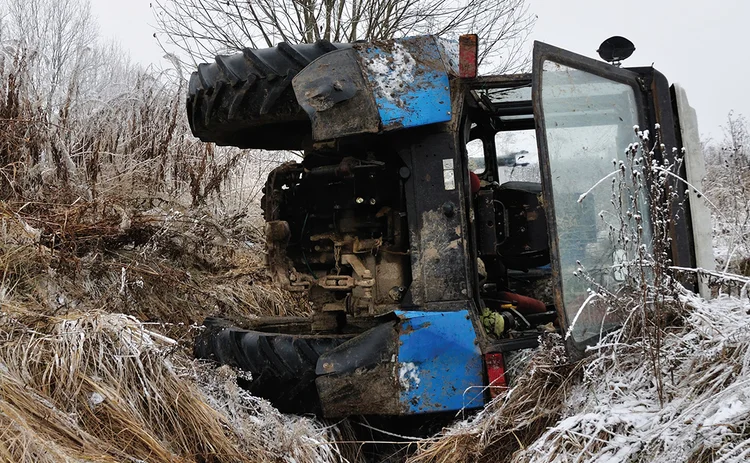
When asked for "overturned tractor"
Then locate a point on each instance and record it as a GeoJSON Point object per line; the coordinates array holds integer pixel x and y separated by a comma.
{"type": "Point", "coordinates": [431, 243]}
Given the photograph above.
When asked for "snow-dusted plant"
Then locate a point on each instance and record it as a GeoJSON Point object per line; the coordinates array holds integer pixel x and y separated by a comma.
{"type": "Point", "coordinates": [669, 385]}
{"type": "Point", "coordinates": [645, 195]}
{"type": "Point", "coordinates": [80, 122]}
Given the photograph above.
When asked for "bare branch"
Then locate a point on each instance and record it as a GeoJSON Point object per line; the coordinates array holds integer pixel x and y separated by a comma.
{"type": "Point", "coordinates": [196, 30]}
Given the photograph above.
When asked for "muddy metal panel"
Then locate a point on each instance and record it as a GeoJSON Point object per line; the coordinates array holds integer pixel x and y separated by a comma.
{"type": "Point", "coordinates": [409, 80]}
{"type": "Point", "coordinates": [439, 362]}
{"type": "Point", "coordinates": [335, 95]}
{"type": "Point", "coordinates": [439, 241]}
{"type": "Point", "coordinates": [359, 376]}
{"type": "Point", "coordinates": [419, 363]}
{"type": "Point", "coordinates": [378, 86]}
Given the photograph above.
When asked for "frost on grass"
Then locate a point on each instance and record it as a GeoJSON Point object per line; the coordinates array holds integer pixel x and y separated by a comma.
{"type": "Point", "coordinates": [614, 415]}
{"type": "Point", "coordinates": [287, 438]}
{"type": "Point", "coordinates": [102, 387]}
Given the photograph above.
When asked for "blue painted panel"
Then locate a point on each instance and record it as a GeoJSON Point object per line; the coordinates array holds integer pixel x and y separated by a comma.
{"type": "Point", "coordinates": [409, 81]}
{"type": "Point", "coordinates": [439, 365]}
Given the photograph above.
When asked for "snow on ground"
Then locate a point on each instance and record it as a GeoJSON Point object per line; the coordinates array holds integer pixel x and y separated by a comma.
{"type": "Point", "coordinates": [615, 414]}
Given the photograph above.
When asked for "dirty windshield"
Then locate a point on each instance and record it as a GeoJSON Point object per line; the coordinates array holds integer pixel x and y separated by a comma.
{"type": "Point", "coordinates": [589, 124]}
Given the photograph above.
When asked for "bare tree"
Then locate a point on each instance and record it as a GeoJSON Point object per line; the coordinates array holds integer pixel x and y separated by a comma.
{"type": "Point", "coordinates": [197, 30]}
{"type": "Point", "coordinates": [736, 144]}
{"type": "Point", "coordinates": [57, 35]}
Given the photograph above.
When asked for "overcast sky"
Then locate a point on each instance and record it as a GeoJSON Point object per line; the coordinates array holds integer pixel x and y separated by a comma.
{"type": "Point", "coordinates": [700, 44]}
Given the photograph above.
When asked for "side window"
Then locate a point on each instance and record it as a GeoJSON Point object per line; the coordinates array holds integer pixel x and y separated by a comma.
{"type": "Point", "coordinates": [475, 149]}
{"type": "Point", "coordinates": [517, 158]}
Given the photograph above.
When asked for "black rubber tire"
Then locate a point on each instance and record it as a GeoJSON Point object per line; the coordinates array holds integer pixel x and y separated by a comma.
{"type": "Point", "coordinates": [246, 99]}
{"type": "Point", "coordinates": [282, 366]}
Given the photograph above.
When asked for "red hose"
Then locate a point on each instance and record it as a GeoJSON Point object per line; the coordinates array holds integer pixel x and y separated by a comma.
{"type": "Point", "coordinates": [524, 304]}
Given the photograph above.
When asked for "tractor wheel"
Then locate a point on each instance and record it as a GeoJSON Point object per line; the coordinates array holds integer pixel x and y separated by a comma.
{"type": "Point", "coordinates": [246, 99]}
{"type": "Point", "coordinates": [282, 366]}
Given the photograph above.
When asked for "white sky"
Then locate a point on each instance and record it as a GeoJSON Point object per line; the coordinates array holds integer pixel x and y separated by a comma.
{"type": "Point", "coordinates": [700, 44]}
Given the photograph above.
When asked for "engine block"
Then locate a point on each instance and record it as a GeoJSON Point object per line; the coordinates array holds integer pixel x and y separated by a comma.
{"type": "Point", "coordinates": [337, 230]}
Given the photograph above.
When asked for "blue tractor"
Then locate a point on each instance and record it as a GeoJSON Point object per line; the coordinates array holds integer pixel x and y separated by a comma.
{"type": "Point", "coordinates": [434, 222]}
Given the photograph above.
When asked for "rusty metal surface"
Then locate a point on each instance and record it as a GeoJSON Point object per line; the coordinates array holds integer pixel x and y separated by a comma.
{"type": "Point", "coordinates": [467, 56]}
{"type": "Point", "coordinates": [346, 245]}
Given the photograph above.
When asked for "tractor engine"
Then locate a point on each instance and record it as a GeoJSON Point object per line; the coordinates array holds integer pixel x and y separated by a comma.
{"type": "Point", "coordinates": [336, 229]}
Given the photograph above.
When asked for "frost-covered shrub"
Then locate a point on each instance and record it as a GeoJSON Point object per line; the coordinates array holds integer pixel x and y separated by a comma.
{"type": "Point", "coordinates": [728, 187]}
{"type": "Point", "coordinates": [80, 122]}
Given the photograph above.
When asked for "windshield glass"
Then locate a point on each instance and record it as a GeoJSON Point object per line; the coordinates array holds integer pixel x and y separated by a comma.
{"type": "Point", "coordinates": [475, 150]}
{"type": "Point", "coordinates": [589, 124]}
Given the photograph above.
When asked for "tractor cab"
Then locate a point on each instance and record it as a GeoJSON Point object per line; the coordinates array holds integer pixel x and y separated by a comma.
{"type": "Point", "coordinates": [551, 141]}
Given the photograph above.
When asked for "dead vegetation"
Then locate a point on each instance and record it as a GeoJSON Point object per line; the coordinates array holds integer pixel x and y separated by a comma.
{"type": "Point", "coordinates": [101, 387]}
{"type": "Point", "coordinates": [111, 253]}
{"type": "Point", "coordinates": [510, 422]}
{"type": "Point", "coordinates": [728, 187]}
{"type": "Point", "coordinates": [96, 321]}
{"type": "Point", "coordinates": [95, 387]}
{"type": "Point", "coordinates": [615, 413]}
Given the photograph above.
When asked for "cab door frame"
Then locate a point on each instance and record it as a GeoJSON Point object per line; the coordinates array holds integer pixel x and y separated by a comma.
{"type": "Point", "coordinates": [652, 96]}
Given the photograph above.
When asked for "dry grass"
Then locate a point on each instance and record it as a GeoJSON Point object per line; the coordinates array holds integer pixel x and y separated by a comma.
{"type": "Point", "coordinates": [101, 387]}
{"type": "Point", "coordinates": [119, 232]}
{"type": "Point", "coordinates": [615, 414]}
{"type": "Point", "coordinates": [83, 379]}
{"type": "Point", "coordinates": [511, 422]}
{"type": "Point", "coordinates": [162, 266]}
